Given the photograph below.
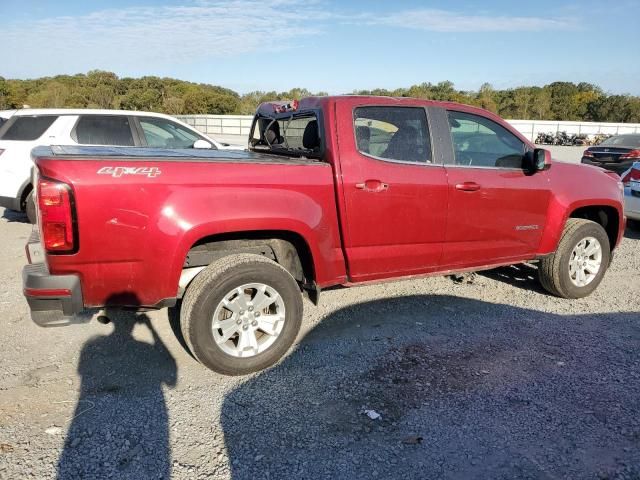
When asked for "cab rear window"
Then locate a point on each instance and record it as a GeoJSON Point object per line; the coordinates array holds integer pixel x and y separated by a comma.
{"type": "Point", "coordinates": [26, 128]}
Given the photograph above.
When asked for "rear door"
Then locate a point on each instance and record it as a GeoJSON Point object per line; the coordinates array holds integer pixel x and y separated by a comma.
{"type": "Point", "coordinates": [116, 130]}
{"type": "Point", "coordinates": [395, 193]}
{"type": "Point", "coordinates": [497, 211]}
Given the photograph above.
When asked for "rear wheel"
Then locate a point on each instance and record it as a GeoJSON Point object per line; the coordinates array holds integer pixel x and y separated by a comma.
{"type": "Point", "coordinates": [241, 314]}
{"type": "Point", "coordinates": [580, 262]}
{"type": "Point", "coordinates": [30, 208]}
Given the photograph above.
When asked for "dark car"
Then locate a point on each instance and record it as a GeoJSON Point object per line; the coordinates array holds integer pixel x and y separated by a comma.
{"type": "Point", "coordinates": [616, 153]}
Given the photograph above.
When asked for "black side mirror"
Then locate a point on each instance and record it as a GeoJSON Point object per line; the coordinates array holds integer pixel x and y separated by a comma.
{"type": "Point", "coordinates": [538, 160]}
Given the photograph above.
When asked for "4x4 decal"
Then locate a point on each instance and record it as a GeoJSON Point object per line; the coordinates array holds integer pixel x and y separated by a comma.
{"type": "Point", "coordinates": [118, 172]}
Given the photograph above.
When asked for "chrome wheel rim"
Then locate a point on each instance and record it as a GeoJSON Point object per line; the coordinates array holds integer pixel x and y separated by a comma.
{"type": "Point", "coordinates": [585, 261]}
{"type": "Point", "coordinates": [248, 320]}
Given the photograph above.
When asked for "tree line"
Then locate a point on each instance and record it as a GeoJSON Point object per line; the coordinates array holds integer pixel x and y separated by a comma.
{"type": "Point", "coordinates": [100, 89]}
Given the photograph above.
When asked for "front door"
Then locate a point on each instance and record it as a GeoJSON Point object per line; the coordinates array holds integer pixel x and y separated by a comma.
{"type": "Point", "coordinates": [395, 195]}
{"type": "Point", "coordinates": [497, 210]}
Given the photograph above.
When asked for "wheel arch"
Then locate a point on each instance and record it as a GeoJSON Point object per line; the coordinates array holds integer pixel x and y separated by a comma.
{"type": "Point", "coordinates": [288, 248]}
{"type": "Point", "coordinates": [604, 215]}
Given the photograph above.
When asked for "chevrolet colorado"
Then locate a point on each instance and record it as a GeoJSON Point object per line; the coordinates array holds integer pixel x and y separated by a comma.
{"type": "Point", "coordinates": [331, 191]}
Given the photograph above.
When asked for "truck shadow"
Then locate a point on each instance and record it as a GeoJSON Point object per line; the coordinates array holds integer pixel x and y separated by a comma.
{"type": "Point", "coordinates": [464, 389]}
{"type": "Point", "coordinates": [120, 424]}
{"type": "Point", "coordinates": [522, 275]}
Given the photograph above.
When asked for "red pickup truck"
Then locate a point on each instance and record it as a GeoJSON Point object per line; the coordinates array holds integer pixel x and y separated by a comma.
{"type": "Point", "coordinates": [331, 191]}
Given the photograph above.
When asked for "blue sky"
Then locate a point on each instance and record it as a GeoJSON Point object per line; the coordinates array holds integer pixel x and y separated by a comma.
{"type": "Point", "coordinates": [328, 45]}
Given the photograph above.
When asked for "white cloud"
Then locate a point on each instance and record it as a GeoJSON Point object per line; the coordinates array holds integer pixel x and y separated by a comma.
{"type": "Point", "coordinates": [139, 36]}
{"type": "Point", "coordinates": [447, 21]}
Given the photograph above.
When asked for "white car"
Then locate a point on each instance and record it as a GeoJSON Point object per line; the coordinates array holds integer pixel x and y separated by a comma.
{"type": "Point", "coordinates": [24, 129]}
{"type": "Point", "coordinates": [631, 181]}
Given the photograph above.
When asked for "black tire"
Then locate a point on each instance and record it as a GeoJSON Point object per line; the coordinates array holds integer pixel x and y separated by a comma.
{"type": "Point", "coordinates": [554, 269]}
{"type": "Point", "coordinates": [209, 288]}
{"type": "Point", "coordinates": [30, 208]}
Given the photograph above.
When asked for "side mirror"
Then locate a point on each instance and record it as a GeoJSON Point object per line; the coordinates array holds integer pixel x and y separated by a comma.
{"type": "Point", "coordinates": [540, 160]}
{"type": "Point", "coordinates": [201, 144]}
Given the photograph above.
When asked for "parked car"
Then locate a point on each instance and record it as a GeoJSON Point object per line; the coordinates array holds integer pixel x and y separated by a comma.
{"type": "Point", "coordinates": [631, 181]}
{"type": "Point", "coordinates": [616, 153]}
{"type": "Point", "coordinates": [28, 128]}
{"type": "Point", "coordinates": [332, 191]}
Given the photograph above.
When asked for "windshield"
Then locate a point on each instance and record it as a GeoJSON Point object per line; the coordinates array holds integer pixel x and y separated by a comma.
{"type": "Point", "coordinates": [294, 134]}
{"type": "Point", "coordinates": [623, 141]}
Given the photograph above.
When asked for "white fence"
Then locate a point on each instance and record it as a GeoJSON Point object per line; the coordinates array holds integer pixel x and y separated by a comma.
{"type": "Point", "coordinates": [219, 124]}
{"type": "Point", "coordinates": [531, 128]}
{"type": "Point", "coordinates": [240, 125]}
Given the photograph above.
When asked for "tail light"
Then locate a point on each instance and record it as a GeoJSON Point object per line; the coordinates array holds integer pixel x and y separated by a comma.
{"type": "Point", "coordinates": [633, 174]}
{"type": "Point", "coordinates": [633, 154]}
{"type": "Point", "coordinates": [588, 153]}
{"type": "Point", "coordinates": [56, 210]}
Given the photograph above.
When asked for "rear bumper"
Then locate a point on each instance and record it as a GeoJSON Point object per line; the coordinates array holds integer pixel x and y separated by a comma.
{"type": "Point", "coordinates": [10, 203]}
{"type": "Point", "coordinates": [54, 300]}
{"type": "Point", "coordinates": [619, 168]}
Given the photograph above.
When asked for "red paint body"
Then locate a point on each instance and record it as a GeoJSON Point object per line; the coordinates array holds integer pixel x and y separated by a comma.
{"type": "Point", "coordinates": [134, 231]}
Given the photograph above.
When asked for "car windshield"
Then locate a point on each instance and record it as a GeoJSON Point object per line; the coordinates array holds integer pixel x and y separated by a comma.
{"type": "Point", "coordinates": [623, 141]}
{"type": "Point", "coordinates": [289, 134]}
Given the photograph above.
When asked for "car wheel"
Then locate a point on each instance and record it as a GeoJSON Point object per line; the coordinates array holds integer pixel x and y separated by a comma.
{"type": "Point", "coordinates": [580, 262]}
{"type": "Point", "coordinates": [30, 208]}
{"type": "Point", "coordinates": [241, 314]}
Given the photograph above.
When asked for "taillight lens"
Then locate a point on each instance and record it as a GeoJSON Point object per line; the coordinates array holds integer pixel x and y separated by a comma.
{"type": "Point", "coordinates": [55, 204]}
{"type": "Point", "coordinates": [588, 153]}
{"type": "Point", "coordinates": [633, 174]}
{"type": "Point", "coordinates": [633, 154]}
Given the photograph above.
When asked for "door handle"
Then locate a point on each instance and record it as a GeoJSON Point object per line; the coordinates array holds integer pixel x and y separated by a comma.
{"type": "Point", "coordinates": [372, 186]}
{"type": "Point", "coordinates": [468, 187]}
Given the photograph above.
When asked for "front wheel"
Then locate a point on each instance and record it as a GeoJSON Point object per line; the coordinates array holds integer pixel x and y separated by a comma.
{"type": "Point", "coordinates": [241, 314]}
{"type": "Point", "coordinates": [580, 262]}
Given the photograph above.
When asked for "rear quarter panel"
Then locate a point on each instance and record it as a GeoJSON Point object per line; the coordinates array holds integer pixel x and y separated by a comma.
{"type": "Point", "coordinates": [135, 231]}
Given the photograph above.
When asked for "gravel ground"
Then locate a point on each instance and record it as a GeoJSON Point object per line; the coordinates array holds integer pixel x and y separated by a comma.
{"type": "Point", "coordinates": [489, 379]}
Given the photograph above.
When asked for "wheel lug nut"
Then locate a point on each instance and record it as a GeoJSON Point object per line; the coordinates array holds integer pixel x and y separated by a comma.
{"type": "Point", "coordinates": [251, 309]}
{"type": "Point", "coordinates": [245, 327]}
{"type": "Point", "coordinates": [239, 321]}
{"type": "Point", "coordinates": [254, 323]}
{"type": "Point", "coordinates": [241, 312]}
{"type": "Point", "coordinates": [257, 314]}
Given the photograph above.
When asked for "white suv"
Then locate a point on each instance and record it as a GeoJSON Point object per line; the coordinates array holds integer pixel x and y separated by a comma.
{"type": "Point", "coordinates": [24, 129]}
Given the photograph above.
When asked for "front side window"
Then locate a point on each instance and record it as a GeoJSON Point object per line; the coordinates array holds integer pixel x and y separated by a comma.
{"type": "Point", "coordinates": [393, 133]}
{"type": "Point", "coordinates": [26, 128]}
{"type": "Point", "coordinates": [162, 133]}
{"type": "Point", "coordinates": [480, 142]}
{"type": "Point", "coordinates": [103, 130]}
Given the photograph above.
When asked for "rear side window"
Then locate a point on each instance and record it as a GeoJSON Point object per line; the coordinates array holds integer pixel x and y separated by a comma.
{"type": "Point", "coordinates": [26, 128]}
{"type": "Point", "coordinates": [103, 130]}
{"type": "Point", "coordinates": [393, 133]}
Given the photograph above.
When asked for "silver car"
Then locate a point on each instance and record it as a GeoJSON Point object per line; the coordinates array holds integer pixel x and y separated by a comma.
{"type": "Point", "coordinates": [631, 180]}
